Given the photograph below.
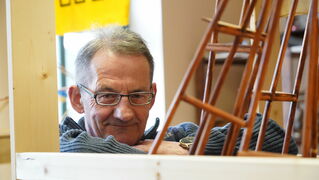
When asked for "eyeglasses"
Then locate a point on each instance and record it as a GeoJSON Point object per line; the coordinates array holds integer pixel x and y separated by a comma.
{"type": "Point", "coordinates": [111, 98]}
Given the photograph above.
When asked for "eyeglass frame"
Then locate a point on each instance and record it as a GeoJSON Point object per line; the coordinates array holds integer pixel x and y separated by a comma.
{"type": "Point", "coordinates": [95, 94]}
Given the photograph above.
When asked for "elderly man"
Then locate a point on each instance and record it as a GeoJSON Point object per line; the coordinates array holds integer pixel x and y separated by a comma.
{"type": "Point", "coordinates": [115, 91]}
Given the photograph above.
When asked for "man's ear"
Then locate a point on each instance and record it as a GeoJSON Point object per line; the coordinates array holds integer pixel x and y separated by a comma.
{"type": "Point", "coordinates": [154, 92]}
{"type": "Point", "coordinates": [75, 99]}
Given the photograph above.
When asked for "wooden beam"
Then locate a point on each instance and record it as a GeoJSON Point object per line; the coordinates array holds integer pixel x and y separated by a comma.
{"type": "Point", "coordinates": [222, 47]}
{"type": "Point", "coordinates": [32, 76]}
{"type": "Point", "coordinates": [4, 101]}
{"type": "Point", "coordinates": [278, 96]}
{"type": "Point", "coordinates": [98, 166]}
{"type": "Point", "coordinates": [213, 110]}
{"type": "Point", "coordinates": [5, 151]}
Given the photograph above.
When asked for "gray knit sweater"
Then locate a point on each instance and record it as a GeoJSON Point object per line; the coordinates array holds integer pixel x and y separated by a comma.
{"type": "Point", "coordinates": [74, 138]}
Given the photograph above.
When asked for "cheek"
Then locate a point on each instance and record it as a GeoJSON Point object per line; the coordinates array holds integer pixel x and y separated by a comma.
{"type": "Point", "coordinates": [90, 108]}
{"type": "Point", "coordinates": [100, 114]}
{"type": "Point", "coordinates": [142, 114]}
{"type": "Point", "coordinates": [97, 113]}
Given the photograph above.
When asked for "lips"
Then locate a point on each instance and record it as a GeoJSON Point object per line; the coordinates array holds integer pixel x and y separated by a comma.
{"type": "Point", "coordinates": [119, 124]}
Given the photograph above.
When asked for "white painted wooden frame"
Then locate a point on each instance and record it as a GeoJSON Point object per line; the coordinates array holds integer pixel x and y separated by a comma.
{"type": "Point", "coordinates": [32, 21]}
{"type": "Point", "coordinates": [110, 166]}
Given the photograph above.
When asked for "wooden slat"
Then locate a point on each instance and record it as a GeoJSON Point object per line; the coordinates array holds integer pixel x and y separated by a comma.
{"type": "Point", "coordinates": [222, 47]}
{"type": "Point", "coordinates": [5, 166]}
{"type": "Point", "coordinates": [213, 110]}
{"type": "Point", "coordinates": [4, 100]}
{"type": "Point", "coordinates": [234, 29]}
{"type": "Point", "coordinates": [112, 166]}
{"type": "Point", "coordinates": [32, 76]}
{"type": "Point", "coordinates": [315, 53]}
{"type": "Point", "coordinates": [278, 96]}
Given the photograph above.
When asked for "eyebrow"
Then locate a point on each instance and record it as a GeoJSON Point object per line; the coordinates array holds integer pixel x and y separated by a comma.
{"type": "Point", "coordinates": [139, 90]}
{"type": "Point", "coordinates": [105, 89]}
{"type": "Point", "coordinates": [109, 89]}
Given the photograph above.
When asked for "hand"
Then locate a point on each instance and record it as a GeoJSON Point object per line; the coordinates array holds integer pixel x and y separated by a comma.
{"type": "Point", "coordinates": [166, 147]}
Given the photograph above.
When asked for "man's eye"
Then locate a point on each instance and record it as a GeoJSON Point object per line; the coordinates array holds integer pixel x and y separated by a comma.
{"type": "Point", "coordinates": [136, 96]}
{"type": "Point", "coordinates": [107, 96]}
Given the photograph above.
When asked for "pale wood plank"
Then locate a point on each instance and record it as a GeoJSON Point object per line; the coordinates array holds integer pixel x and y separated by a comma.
{"type": "Point", "coordinates": [32, 75]}
{"type": "Point", "coordinates": [4, 111]}
{"type": "Point", "coordinates": [111, 166]}
{"type": "Point", "coordinates": [5, 165]}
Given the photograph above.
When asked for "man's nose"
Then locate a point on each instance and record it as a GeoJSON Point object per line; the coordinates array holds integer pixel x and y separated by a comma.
{"type": "Point", "coordinates": [123, 110]}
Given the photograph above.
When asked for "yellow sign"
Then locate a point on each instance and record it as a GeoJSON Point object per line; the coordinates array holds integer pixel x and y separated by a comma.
{"type": "Point", "coordinates": [80, 15]}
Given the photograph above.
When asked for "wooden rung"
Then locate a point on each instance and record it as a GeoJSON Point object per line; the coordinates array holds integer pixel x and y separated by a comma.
{"type": "Point", "coordinates": [222, 47]}
{"type": "Point", "coordinates": [264, 154]}
{"type": "Point", "coordinates": [233, 29]}
{"type": "Point", "coordinates": [236, 30]}
{"type": "Point", "coordinates": [213, 110]}
{"type": "Point", "coordinates": [278, 96]}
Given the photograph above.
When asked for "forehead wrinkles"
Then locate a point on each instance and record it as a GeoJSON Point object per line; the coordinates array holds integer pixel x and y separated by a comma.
{"type": "Point", "coordinates": [118, 75]}
{"type": "Point", "coordinates": [116, 85]}
{"type": "Point", "coordinates": [121, 59]}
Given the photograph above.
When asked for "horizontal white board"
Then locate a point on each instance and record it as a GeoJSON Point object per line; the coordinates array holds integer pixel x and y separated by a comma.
{"type": "Point", "coordinates": [161, 167]}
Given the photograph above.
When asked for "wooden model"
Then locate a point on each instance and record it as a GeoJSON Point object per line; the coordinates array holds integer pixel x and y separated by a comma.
{"type": "Point", "coordinates": [250, 91]}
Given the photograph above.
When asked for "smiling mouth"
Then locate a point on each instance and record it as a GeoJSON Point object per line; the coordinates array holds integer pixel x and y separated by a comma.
{"type": "Point", "coordinates": [120, 125]}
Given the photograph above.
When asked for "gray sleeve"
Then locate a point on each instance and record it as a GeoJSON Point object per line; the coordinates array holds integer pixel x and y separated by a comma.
{"type": "Point", "coordinates": [79, 141]}
{"type": "Point", "coordinates": [185, 130]}
{"type": "Point", "coordinates": [175, 133]}
{"type": "Point", "coordinates": [273, 139]}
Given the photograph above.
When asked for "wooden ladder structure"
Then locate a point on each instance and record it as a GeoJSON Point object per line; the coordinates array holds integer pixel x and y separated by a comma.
{"type": "Point", "coordinates": [250, 90]}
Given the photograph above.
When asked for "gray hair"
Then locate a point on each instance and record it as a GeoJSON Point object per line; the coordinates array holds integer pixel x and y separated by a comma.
{"type": "Point", "coordinates": [116, 39]}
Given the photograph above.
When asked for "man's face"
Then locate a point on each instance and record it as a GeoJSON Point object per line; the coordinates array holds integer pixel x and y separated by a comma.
{"type": "Point", "coordinates": [122, 74]}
